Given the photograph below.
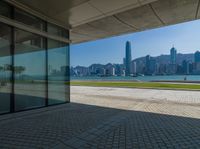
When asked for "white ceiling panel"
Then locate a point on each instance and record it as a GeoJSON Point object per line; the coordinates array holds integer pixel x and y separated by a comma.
{"type": "Point", "coordinates": [79, 38]}
{"type": "Point", "coordinates": [141, 18]}
{"type": "Point", "coordinates": [83, 12]}
{"type": "Point", "coordinates": [176, 11]}
{"type": "Point", "coordinates": [144, 2]}
{"type": "Point", "coordinates": [111, 25]}
{"type": "Point", "coordinates": [108, 6]}
{"type": "Point", "coordinates": [96, 19]}
{"type": "Point", "coordinates": [88, 30]}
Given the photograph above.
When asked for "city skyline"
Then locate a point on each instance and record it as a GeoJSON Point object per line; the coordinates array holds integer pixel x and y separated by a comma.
{"type": "Point", "coordinates": [153, 42]}
{"type": "Point", "coordinates": [123, 61]}
{"type": "Point", "coordinates": [147, 65]}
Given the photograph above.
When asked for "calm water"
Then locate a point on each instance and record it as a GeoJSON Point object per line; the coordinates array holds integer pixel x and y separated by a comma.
{"type": "Point", "coordinates": [143, 78]}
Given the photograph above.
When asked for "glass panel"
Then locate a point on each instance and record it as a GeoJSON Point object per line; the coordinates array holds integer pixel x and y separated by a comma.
{"type": "Point", "coordinates": [29, 19]}
{"type": "Point", "coordinates": [56, 30]}
{"type": "Point", "coordinates": [30, 70]}
{"type": "Point", "coordinates": [58, 74]}
{"type": "Point", "coordinates": [5, 9]}
{"type": "Point", "coordinates": [5, 68]}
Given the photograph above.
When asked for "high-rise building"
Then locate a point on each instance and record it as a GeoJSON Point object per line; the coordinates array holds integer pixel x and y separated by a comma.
{"type": "Point", "coordinates": [197, 57]}
{"type": "Point", "coordinates": [196, 69]}
{"type": "Point", "coordinates": [191, 67]}
{"type": "Point", "coordinates": [112, 71]}
{"type": "Point", "coordinates": [102, 71]}
{"type": "Point", "coordinates": [123, 72]}
{"type": "Point", "coordinates": [124, 61]}
{"type": "Point", "coordinates": [147, 66]}
{"type": "Point", "coordinates": [185, 66]}
{"type": "Point", "coordinates": [162, 69]}
{"type": "Point", "coordinates": [196, 66]}
{"type": "Point", "coordinates": [171, 69]}
{"type": "Point", "coordinates": [151, 65]}
{"type": "Point", "coordinates": [81, 71]}
{"type": "Point", "coordinates": [140, 67]}
{"type": "Point", "coordinates": [133, 67]}
{"type": "Point", "coordinates": [118, 69]}
{"type": "Point", "coordinates": [128, 58]}
{"type": "Point", "coordinates": [173, 55]}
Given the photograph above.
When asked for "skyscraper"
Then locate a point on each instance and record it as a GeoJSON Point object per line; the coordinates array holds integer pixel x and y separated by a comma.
{"type": "Point", "coordinates": [197, 57]}
{"type": "Point", "coordinates": [172, 67]}
{"type": "Point", "coordinates": [185, 66]}
{"type": "Point", "coordinates": [173, 56]}
{"type": "Point", "coordinates": [124, 61]}
{"type": "Point", "coordinates": [197, 62]}
{"type": "Point", "coordinates": [147, 66]}
{"type": "Point", "coordinates": [133, 67]}
{"type": "Point", "coordinates": [128, 58]}
{"type": "Point", "coordinates": [150, 65]}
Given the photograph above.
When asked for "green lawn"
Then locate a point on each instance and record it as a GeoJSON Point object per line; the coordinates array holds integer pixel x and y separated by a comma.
{"type": "Point", "coordinates": [137, 85]}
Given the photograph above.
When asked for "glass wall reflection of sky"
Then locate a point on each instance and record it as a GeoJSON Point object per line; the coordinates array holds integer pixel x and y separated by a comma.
{"type": "Point", "coordinates": [58, 63]}
{"type": "Point", "coordinates": [29, 62]}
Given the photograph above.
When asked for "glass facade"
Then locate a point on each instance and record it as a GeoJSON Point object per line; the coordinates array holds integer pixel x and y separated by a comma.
{"type": "Point", "coordinates": [5, 68]}
{"type": "Point", "coordinates": [29, 70]}
{"type": "Point", "coordinates": [28, 19]}
{"type": "Point", "coordinates": [34, 69]}
{"type": "Point", "coordinates": [5, 9]}
{"type": "Point", "coordinates": [58, 74]}
{"type": "Point", "coordinates": [56, 30]}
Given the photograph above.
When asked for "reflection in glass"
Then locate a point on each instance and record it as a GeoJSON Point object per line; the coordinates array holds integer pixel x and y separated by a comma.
{"type": "Point", "coordinates": [58, 74]}
{"type": "Point", "coordinates": [5, 68]}
{"type": "Point", "coordinates": [32, 63]}
{"type": "Point", "coordinates": [5, 9]}
{"type": "Point", "coordinates": [56, 30]}
{"type": "Point", "coordinates": [29, 19]}
{"type": "Point", "coordinates": [29, 68]}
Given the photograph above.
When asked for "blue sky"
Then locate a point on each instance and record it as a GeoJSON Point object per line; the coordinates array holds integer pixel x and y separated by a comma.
{"type": "Point", "coordinates": [185, 37]}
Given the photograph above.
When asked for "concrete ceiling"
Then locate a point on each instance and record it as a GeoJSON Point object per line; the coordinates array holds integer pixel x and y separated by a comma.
{"type": "Point", "coordinates": [96, 19]}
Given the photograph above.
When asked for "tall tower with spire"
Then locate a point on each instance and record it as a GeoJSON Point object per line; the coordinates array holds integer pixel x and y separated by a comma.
{"type": "Point", "coordinates": [128, 59]}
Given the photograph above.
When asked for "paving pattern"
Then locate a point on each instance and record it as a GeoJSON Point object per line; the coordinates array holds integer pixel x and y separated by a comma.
{"type": "Point", "coordinates": [131, 93]}
{"type": "Point", "coordinates": [91, 122]}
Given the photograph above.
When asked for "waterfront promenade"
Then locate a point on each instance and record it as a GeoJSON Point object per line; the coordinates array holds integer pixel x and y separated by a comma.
{"type": "Point", "coordinates": [104, 117]}
{"type": "Point", "coordinates": [94, 95]}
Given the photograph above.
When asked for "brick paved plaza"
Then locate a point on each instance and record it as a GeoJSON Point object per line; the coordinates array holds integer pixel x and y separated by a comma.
{"type": "Point", "coordinates": [109, 120]}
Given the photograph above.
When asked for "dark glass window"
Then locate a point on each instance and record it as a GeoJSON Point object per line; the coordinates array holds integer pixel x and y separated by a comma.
{"type": "Point", "coordinates": [56, 30]}
{"type": "Point", "coordinates": [58, 74]}
{"type": "Point", "coordinates": [29, 19]}
{"type": "Point", "coordinates": [5, 9]}
{"type": "Point", "coordinates": [5, 68]}
{"type": "Point", "coordinates": [30, 70]}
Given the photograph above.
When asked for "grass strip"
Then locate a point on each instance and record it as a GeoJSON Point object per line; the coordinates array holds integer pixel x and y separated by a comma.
{"type": "Point", "coordinates": [137, 85]}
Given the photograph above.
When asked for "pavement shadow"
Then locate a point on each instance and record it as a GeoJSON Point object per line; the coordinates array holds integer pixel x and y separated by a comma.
{"type": "Point", "coordinates": [88, 126]}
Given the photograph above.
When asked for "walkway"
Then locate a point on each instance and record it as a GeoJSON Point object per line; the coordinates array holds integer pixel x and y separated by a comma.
{"type": "Point", "coordinates": [99, 121]}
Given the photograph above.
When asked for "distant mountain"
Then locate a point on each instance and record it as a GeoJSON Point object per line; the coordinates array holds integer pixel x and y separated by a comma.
{"type": "Point", "coordinates": [80, 67]}
{"type": "Point", "coordinates": [188, 57]}
{"type": "Point", "coordinates": [165, 59]}
{"type": "Point", "coordinates": [162, 59]}
{"type": "Point", "coordinates": [96, 66]}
